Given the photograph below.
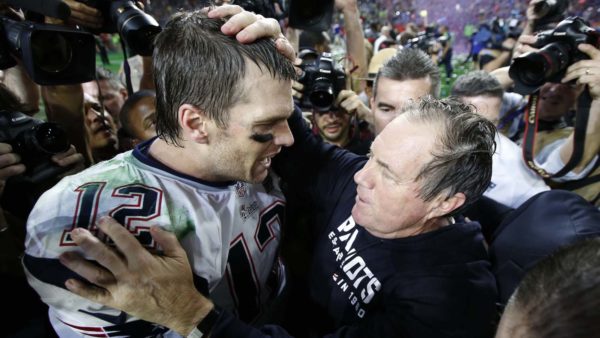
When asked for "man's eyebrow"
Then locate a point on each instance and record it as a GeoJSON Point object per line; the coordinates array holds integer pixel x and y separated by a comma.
{"type": "Point", "coordinates": [387, 168]}
{"type": "Point", "coordinates": [384, 165]}
{"type": "Point", "coordinates": [385, 105]}
{"type": "Point", "coordinates": [273, 119]}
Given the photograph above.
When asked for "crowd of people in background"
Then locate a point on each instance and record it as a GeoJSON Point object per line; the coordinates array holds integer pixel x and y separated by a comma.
{"type": "Point", "coordinates": [399, 176]}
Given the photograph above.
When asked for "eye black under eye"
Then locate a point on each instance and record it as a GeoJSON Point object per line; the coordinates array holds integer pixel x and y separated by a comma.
{"type": "Point", "coordinates": [262, 138]}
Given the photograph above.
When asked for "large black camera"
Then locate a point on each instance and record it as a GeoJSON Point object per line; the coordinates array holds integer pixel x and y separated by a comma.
{"type": "Point", "coordinates": [323, 80]}
{"type": "Point", "coordinates": [136, 28]}
{"type": "Point", "coordinates": [51, 54]}
{"type": "Point", "coordinates": [558, 51]}
{"type": "Point", "coordinates": [426, 41]}
{"type": "Point", "coordinates": [35, 141]}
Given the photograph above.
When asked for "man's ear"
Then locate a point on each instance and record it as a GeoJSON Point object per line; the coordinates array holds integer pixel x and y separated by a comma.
{"type": "Point", "coordinates": [372, 103]}
{"type": "Point", "coordinates": [446, 206]}
{"type": "Point", "coordinates": [194, 123]}
{"type": "Point", "coordinates": [124, 93]}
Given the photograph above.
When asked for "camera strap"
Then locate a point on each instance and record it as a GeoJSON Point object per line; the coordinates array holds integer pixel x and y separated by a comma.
{"type": "Point", "coordinates": [126, 67]}
{"type": "Point", "coordinates": [531, 126]}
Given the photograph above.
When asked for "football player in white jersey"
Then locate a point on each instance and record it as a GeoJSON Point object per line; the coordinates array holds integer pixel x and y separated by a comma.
{"type": "Point", "coordinates": [207, 174]}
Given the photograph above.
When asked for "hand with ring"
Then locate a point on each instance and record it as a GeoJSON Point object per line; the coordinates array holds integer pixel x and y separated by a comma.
{"type": "Point", "coordinates": [586, 72]}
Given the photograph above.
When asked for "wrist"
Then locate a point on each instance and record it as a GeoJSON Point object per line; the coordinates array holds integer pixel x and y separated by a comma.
{"type": "Point", "coordinates": [205, 325]}
{"type": "Point", "coordinates": [193, 314]}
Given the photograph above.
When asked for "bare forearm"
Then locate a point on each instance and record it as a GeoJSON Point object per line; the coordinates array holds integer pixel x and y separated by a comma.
{"type": "Point", "coordinates": [147, 80]}
{"type": "Point", "coordinates": [28, 93]}
{"type": "Point", "coordinates": [501, 74]}
{"type": "Point", "coordinates": [498, 62]}
{"type": "Point", "coordinates": [355, 39]}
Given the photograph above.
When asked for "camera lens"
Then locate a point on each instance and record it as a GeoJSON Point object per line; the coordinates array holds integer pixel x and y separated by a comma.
{"type": "Point", "coordinates": [535, 69]}
{"type": "Point", "coordinates": [52, 52]}
{"type": "Point", "coordinates": [136, 27]}
{"type": "Point", "coordinates": [321, 96]}
{"type": "Point", "coordinates": [48, 138]}
{"type": "Point", "coordinates": [531, 69]}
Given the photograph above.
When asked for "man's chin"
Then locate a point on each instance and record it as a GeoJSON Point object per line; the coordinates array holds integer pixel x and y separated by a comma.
{"type": "Point", "coordinates": [258, 176]}
{"type": "Point", "coordinates": [106, 144]}
{"type": "Point", "coordinates": [356, 214]}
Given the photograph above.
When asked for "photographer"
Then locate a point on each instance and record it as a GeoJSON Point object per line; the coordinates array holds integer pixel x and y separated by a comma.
{"type": "Point", "coordinates": [27, 317]}
{"type": "Point", "coordinates": [81, 116]}
{"type": "Point", "coordinates": [108, 90]}
{"type": "Point", "coordinates": [554, 142]}
{"type": "Point", "coordinates": [335, 110]}
{"type": "Point", "coordinates": [338, 125]}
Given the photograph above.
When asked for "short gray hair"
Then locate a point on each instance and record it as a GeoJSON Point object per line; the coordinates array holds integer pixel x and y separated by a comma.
{"type": "Point", "coordinates": [477, 83]}
{"type": "Point", "coordinates": [462, 158]}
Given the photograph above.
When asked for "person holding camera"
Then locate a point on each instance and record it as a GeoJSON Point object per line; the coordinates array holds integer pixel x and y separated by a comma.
{"type": "Point", "coordinates": [390, 260]}
{"type": "Point", "coordinates": [554, 143]}
{"type": "Point", "coordinates": [335, 110]}
{"type": "Point", "coordinates": [337, 125]}
{"type": "Point", "coordinates": [556, 149]}
{"type": "Point", "coordinates": [17, 193]}
{"type": "Point", "coordinates": [108, 91]}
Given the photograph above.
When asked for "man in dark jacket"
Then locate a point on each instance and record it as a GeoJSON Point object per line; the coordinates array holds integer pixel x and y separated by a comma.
{"type": "Point", "coordinates": [390, 259]}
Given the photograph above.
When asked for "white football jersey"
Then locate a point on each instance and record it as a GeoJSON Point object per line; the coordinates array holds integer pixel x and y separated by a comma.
{"type": "Point", "coordinates": [231, 233]}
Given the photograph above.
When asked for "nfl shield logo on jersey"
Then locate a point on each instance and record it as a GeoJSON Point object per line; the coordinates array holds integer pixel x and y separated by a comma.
{"type": "Point", "coordinates": [241, 189]}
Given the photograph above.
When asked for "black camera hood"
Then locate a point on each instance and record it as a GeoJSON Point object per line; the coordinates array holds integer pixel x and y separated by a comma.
{"type": "Point", "coordinates": [51, 54]}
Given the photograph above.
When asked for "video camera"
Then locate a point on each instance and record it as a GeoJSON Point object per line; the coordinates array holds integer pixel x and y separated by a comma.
{"type": "Point", "coordinates": [425, 41]}
{"type": "Point", "coordinates": [51, 54]}
{"type": "Point", "coordinates": [137, 28]}
{"type": "Point", "coordinates": [36, 142]}
{"type": "Point", "coordinates": [322, 79]}
{"type": "Point", "coordinates": [558, 51]}
{"type": "Point", "coordinates": [57, 55]}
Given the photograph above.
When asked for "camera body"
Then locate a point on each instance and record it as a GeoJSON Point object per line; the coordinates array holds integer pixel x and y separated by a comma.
{"type": "Point", "coordinates": [35, 141]}
{"type": "Point", "coordinates": [323, 80]}
{"type": "Point", "coordinates": [426, 41]}
{"type": "Point", "coordinates": [137, 28]}
{"type": "Point", "coordinates": [51, 54]}
{"type": "Point", "coordinates": [423, 42]}
{"type": "Point", "coordinates": [558, 51]}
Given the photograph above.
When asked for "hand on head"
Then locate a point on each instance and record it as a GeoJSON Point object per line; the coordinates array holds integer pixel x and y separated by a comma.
{"type": "Point", "coordinates": [248, 27]}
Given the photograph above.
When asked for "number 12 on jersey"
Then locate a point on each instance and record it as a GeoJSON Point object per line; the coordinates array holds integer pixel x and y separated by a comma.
{"type": "Point", "coordinates": [141, 203]}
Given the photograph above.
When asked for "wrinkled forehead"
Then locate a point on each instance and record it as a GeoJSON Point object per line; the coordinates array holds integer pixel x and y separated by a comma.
{"type": "Point", "coordinates": [405, 89]}
{"type": "Point", "coordinates": [408, 138]}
